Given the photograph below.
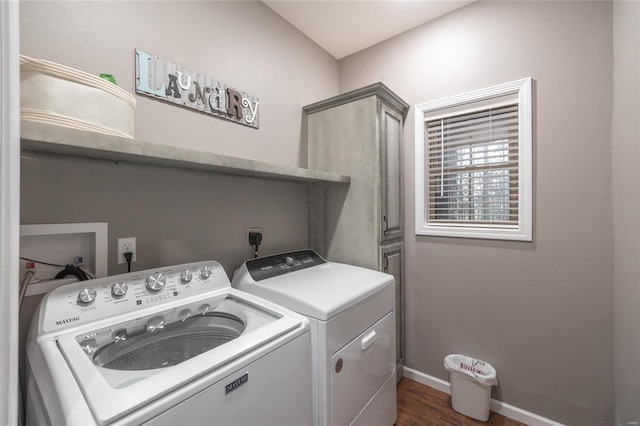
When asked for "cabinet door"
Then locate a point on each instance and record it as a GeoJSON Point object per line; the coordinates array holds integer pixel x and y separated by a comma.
{"type": "Point", "coordinates": [391, 179]}
{"type": "Point", "coordinates": [392, 261]}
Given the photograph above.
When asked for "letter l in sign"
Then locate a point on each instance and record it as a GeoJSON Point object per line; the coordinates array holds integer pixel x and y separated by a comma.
{"type": "Point", "coordinates": [143, 69]}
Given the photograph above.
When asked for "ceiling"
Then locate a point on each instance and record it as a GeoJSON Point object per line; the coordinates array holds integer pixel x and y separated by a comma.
{"type": "Point", "coordinates": [345, 27]}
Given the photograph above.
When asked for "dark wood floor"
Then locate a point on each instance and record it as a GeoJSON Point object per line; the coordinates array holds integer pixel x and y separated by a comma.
{"type": "Point", "coordinates": [420, 405]}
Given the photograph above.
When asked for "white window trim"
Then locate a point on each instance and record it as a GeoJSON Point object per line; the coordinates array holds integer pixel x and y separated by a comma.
{"type": "Point", "coordinates": [523, 90]}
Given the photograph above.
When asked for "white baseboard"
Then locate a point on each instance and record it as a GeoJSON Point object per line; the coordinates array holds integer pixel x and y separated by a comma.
{"type": "Point", "coordinates": [499, 407]}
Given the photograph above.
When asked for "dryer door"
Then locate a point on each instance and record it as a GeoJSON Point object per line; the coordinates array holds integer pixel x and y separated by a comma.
{"type": "Point", "coordinates": [361, 368]}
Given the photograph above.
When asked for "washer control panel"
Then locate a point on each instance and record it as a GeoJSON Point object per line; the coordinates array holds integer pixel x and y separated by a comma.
{"type": "Point", "coordinates": [272, 266]}
{"type": "Point", "coordinates": [73, 304]}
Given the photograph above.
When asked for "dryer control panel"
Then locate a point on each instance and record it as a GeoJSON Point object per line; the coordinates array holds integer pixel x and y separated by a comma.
{"type": "Point", "coordinates": [284, 263]}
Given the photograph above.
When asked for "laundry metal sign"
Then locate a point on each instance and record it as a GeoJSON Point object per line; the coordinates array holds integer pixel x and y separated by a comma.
{"type": "Point", "coordinates": [172, 83]}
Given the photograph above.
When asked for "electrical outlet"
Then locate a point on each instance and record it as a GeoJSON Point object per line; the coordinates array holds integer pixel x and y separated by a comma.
{"type": "Point", "coordinates": [249, 230]}
{"type": "Point", "coordinates": [126, 245]}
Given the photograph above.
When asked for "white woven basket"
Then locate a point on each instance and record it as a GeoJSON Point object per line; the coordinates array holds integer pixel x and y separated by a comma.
{"type": "Point", "coordinates": [56, 94]}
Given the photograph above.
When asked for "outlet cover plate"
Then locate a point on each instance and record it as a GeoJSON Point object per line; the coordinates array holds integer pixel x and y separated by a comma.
{"type": "Point", "coordinates": [124, 245]}
{"type": "Point", "coordinates": [254, 229]}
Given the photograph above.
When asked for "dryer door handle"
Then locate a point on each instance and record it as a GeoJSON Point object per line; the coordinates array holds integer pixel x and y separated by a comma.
{"type": "Point", "coordinates": [368, 340]}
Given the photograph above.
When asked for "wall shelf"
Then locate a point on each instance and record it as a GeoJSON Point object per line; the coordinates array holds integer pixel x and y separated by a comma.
{"type": "Point", "coordinates": [51, 138]}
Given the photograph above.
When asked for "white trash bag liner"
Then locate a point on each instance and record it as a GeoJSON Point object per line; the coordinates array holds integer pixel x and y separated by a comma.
{"type": "Point", "coordinates": [471, 368]}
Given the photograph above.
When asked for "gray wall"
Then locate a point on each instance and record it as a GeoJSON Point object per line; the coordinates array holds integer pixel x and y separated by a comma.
{"type": "Point", "coordinates": [626, 208]}
{"type": "Point", "coordinates": [540, 312]}
{"type": "Point", "coordinates": [179, 215]}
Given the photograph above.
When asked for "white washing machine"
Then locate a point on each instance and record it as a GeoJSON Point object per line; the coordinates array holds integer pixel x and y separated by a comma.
{"type": "Point", "coordinates": [169, 346]}
{"type": "Point", "coordinates": [351, 310]}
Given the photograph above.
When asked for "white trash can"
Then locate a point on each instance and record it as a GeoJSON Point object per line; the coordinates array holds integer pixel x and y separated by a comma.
{"type": "Point", "coordinates": [471, 381]}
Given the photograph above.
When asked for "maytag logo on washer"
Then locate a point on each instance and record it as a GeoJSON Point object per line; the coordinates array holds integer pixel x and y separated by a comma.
{"type": "Point", "coordinates": [236, 383]}
{"type": "Point", "coordinates": [67, 320]}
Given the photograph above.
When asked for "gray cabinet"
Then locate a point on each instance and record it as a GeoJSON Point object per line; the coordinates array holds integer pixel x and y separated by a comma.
{"type": "Point", "coordinates": [359, 134]}
{"type": "Point", "coordinates": [391, 174]}
{"type": "Point", "coordinates": [392, 259]}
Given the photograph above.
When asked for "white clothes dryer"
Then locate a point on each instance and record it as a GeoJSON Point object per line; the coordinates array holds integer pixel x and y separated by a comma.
{"type": "Point", "coordinates": [169, 346]}
{"type": "Point", "coordinates": [351, 310]}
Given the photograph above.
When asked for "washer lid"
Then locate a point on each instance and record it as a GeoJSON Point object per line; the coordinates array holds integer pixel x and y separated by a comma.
{"type": "Point", "coordinates": [320, 291]}
{"type": "Point", "coordinates": [116, 381]}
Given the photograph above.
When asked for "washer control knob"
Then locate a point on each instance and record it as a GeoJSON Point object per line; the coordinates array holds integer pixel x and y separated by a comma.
{"type": "Point", "coordinates": [156, 282]}
{"type": "Point", "coordinates": [289, 261]}
{"type": "Point", "coordinates": [121, 335]}
{"type": "Point", "coordinates": [205, 272]}
{"type": "Point", "coordinates": [155, 324]}
{"type": "Point", "coordinates": [118, 289]}
{"type": "Point", "coordinates": [185, 276]}
{"type": "Point", "coordinates": [87, 296]}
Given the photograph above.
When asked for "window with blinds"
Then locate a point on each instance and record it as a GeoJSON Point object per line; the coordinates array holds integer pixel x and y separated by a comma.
{"type": "Point", "coordinates": [473, 164]}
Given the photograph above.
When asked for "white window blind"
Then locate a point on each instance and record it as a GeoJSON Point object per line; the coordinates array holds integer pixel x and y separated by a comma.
{"type": "Point", "coordinates": [472, 163]}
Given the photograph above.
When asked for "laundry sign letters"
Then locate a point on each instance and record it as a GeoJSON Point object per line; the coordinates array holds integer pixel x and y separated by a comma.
{"type": "Point", "coordinates": [172, 83]}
